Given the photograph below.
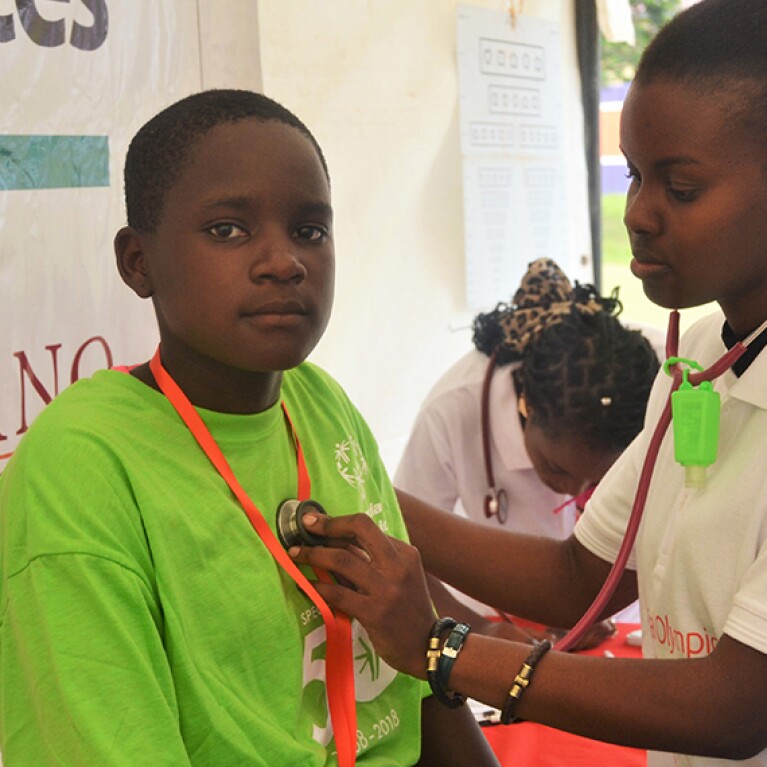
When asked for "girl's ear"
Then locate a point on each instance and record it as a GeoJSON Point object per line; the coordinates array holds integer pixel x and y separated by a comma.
{"type": "Point", "coordinates": [131, 262]}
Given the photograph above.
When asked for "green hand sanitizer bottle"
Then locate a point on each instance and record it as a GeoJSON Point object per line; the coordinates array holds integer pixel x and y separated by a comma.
{"type": "Point", "coordinates": [695, 415]}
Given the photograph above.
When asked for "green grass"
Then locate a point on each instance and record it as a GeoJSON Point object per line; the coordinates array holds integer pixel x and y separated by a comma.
{"type": "Point", "coordinates": [615, 244]}
{"type": "Point", "coordinates": [616, 255]}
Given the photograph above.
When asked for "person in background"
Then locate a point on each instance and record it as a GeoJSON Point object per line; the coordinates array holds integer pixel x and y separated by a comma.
{"type": "Point", "coordinates": [519, 431]}
{"type": "Point", "coordinates": [150, 615]}
{"type": "Point", "coordinates": [694, 133]}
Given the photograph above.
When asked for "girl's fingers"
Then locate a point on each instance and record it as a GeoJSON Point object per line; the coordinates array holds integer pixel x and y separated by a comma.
{"type": "Point", "coordinates": [379, 581]}
{"type": "Point", "coordinates": [358, 529]}
{"type": "Point", "coordinates": [347, 562]}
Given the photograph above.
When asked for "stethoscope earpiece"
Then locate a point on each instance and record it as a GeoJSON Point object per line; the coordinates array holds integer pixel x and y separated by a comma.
{"type": "Point", "coordinates": [290, 526]}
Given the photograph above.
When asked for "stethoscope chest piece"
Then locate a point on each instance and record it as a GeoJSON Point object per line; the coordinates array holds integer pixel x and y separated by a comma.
{"type": "Point", "coordinates": [290, 526]}
{"type": "Point", "coordinates": [497, 504]}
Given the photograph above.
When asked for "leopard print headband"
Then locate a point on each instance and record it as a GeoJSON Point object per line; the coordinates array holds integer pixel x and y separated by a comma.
{"type": "Point", "coordinates": [544, 297]}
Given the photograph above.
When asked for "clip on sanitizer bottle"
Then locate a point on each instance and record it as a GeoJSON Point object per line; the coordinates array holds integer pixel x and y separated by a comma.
{"type": "Point", "coordinates": [695, 415]}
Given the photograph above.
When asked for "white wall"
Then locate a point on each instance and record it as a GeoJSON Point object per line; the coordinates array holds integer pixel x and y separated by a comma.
{"type": "Point", "coordinates": [377, 84]}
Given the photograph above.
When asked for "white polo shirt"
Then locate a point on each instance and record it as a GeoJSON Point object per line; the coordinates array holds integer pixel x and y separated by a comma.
{"type": "Point", "coordinates": [701, 554]}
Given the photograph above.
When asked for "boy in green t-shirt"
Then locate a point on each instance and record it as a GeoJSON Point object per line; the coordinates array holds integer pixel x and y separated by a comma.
{"type": "Point", "coordinates": [143, 619]}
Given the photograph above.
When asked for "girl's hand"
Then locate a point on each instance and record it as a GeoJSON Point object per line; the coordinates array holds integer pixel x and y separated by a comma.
{"type": "Point", "coordinates": [382, 585]}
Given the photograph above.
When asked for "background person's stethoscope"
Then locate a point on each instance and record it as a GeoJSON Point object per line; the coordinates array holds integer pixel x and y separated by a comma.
{"type": "Point", "coordinates": [496, 500]}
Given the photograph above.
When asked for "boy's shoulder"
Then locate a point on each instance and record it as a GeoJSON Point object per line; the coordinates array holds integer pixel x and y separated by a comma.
{"type": "Point", "coordinates": [308, 370]}
{"type": "Point", "coordinates": [311, 391]}
{"type": "Point", "coordinates": [310, 380]}
{"type": "Point", "coordinates": [101, 403]}
{"type": "Point", "coordinates": [85, 395]}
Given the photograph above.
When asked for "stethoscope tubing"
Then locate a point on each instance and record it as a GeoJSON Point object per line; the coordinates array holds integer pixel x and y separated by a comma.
{"type": "Point", "coordinates": [485, 419]}
{"type": "Point", "coordinates": [724, 363]}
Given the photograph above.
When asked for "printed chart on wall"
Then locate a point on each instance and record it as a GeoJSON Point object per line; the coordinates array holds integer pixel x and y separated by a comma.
{"type": "Point", "coordinates": [511, 141]}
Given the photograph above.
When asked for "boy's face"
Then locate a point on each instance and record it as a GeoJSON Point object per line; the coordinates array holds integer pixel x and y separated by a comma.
{"type": "Point", "coordinates": [241, 265]}
{"type": "Point", "coordinates": [696, 210]}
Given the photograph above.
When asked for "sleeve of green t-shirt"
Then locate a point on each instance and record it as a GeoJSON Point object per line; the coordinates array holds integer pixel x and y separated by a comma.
{"type": "Point", "coordinates": [77, 620]}
{"type": "Point", "coordinates": [84, 679]}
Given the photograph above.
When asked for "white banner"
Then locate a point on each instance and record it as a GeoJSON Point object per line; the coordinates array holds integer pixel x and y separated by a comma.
{"type": "Point", "coordinates": [79, 77]}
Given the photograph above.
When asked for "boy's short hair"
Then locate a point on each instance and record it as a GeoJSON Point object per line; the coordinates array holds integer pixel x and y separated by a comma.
{"type": "Point", "coordinates": [710, 44]}
{"type": "Point", "coordinates": [160, 150]}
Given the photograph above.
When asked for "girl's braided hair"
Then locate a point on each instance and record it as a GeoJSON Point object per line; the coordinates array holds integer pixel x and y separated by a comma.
{"type": "Point", "coordinates": [583, 373]}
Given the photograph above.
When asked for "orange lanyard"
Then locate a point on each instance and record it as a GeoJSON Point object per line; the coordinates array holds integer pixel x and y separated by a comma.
{"type": "Point", "coordinates": [339, 665]}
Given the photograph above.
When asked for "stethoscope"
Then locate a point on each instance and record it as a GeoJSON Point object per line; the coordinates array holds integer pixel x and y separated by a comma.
{"type": "Point", "coordinates": [496, 500]}
{"type": "Point", "coordinates": [496, 503]}
{"type": "Point", "coordinates": [721, 366]}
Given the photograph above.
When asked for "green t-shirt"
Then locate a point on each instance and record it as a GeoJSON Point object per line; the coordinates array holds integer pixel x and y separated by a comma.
{"type": "Point", "coordinates": [143, 620]}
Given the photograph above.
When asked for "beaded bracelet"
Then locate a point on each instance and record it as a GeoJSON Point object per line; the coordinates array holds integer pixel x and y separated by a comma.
{"type": "Point", "coordinates": [447, 658]}
{"type": "Point", "coordinates": [433, 657]}
{"type": "Point", "coordinates": [522, 680]}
